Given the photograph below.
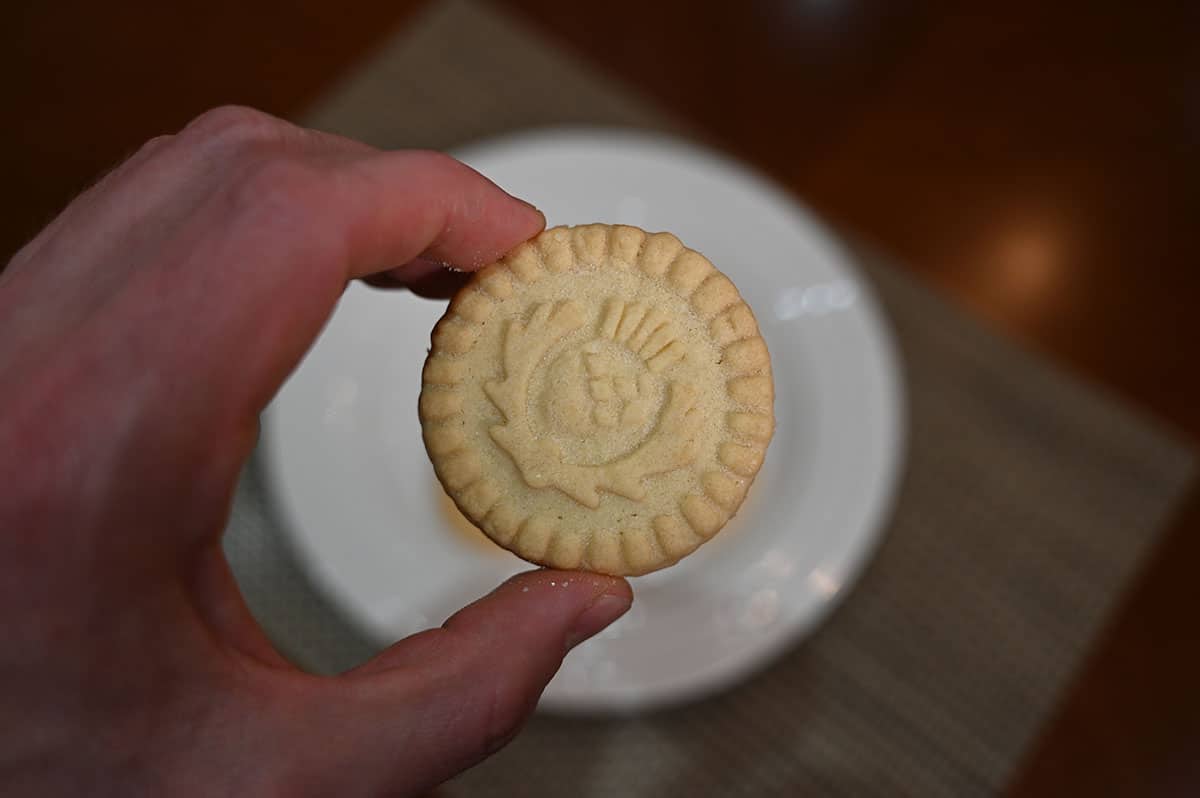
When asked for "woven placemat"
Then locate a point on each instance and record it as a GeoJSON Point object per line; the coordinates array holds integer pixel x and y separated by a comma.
{"type": "Point", "coordinates": [1028, 503]}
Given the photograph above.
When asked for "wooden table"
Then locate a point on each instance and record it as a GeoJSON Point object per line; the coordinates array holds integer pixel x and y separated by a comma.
{"type": "Point", "coordinates": [1038, 163]}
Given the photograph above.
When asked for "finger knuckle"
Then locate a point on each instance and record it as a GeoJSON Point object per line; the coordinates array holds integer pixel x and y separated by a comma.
{"type": "Point", "coordinates": [235, 125]}
{"type": "Point", "coordinates": [274, 173]}
{"type": "Point", "coordinates": [155, 145]}
{"type": "Point", "coordinates": [273, 185]}
{"type": "Point", "coordinates": [436, 162]}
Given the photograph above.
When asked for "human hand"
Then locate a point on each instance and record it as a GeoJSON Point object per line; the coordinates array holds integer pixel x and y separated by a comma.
{"type": "Point", "coordinates": [141, 333]}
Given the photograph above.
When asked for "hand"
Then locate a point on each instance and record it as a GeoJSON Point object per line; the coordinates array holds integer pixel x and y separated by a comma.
{"type": "Point", "coordinates": [141, 334]}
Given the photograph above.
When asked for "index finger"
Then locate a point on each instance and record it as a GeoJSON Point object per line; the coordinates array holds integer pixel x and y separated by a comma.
{"type": "Point", "coordinates": [451, 214]}
{"type": "Point", "coordinates": [359, 219]}
{"type": "Point", "coordinates": [180, 291]}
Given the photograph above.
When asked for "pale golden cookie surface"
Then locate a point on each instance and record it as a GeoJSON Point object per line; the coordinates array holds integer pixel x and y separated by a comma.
{"type": "Point", "coordinates": [600, 399]}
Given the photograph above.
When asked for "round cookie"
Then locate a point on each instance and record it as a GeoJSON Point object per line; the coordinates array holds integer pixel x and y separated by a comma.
{"type": "Point", "coordinates": [600, 399]}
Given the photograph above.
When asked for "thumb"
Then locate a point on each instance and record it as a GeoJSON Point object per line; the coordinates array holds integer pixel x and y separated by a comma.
{"type": "Point", "coordinates": [442, 700]}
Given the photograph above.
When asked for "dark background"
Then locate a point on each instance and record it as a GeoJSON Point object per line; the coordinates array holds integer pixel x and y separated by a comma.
{"type": "Point", "coordinates": [1038, 163]}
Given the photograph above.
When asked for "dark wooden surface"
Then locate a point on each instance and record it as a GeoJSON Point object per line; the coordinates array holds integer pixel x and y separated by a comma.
{"type": "Point", "coordinates": [1038, 163]}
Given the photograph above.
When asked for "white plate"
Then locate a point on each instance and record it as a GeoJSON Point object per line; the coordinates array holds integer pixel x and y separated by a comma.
{"type": "Point", "coordinates": [371, 525]}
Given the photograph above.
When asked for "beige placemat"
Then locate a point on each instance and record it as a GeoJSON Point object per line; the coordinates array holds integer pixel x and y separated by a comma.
{"type": "Point", "coordinates": [1028, 503]}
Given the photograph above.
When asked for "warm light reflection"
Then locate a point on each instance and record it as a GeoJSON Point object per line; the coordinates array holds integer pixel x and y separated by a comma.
{"type": "Point", "coordinates": [777, 564]}
{"type": "Point", "coordinates": [823, 583]}
{"type": "Point", "coordinates": [1028, 259]}
{"type": "Point", "coordinates": [1023, 266]}
{"type": "Point", "coordinates": [761, 610]}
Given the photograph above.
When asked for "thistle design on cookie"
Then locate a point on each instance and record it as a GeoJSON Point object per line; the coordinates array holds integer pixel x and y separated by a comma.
{"type": "Point", "coordinates": [601, 416]}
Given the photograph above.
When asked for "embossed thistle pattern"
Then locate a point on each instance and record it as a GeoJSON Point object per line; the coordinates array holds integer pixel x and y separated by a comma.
{"type": "Point", "coordinates": [617, 400]}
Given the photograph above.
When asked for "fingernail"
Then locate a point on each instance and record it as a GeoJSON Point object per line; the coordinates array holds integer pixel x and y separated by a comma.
{"type": "Point", "coordinates": [599, 614]}
{"type": "Point", "coordinates": [533, 208]}
{"type": "Point", "coordinates": [526, 203]}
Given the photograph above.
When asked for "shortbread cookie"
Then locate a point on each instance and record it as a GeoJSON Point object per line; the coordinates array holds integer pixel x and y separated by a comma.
{"type": "Point", "coordinates": [600, 399]}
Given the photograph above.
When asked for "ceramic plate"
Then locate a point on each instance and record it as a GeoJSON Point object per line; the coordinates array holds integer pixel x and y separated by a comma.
{"type": "Point", "coordinates": [376, 534]}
